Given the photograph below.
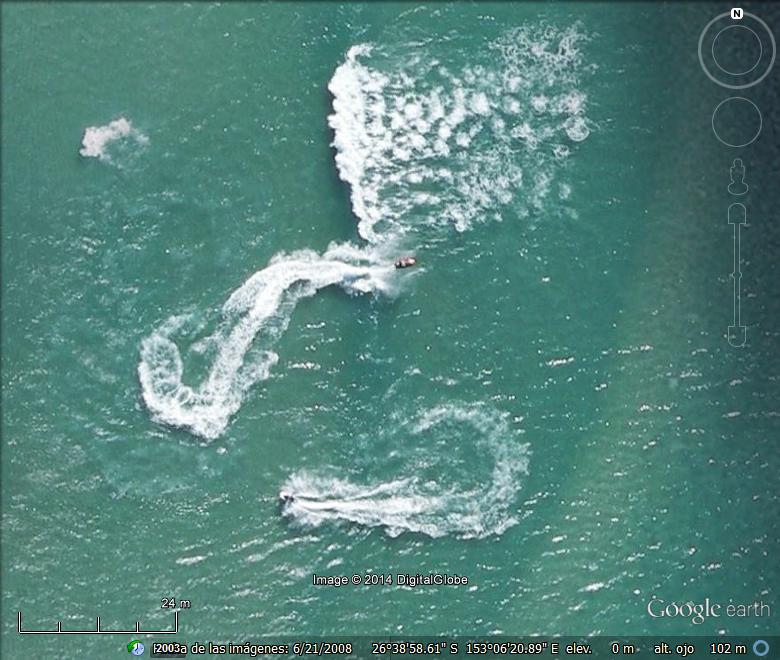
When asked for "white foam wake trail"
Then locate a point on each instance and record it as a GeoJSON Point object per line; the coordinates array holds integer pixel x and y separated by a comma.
{"type": "Point", "coordinates": [420, 145]}
{"type": "Point", "coordinates": [260, 308]}
{"type": "Point", "coordinates": [424, 144]}
{"type": "Point", "coordinates": [449, 496]}
{"type": "Point", "coordinates": [97, 139]}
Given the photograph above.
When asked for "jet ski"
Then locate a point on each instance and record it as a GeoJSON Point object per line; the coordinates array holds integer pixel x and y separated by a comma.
{"type": "Point", "coordinates": [286, 498]}
{"type": "Point", "coordinates": [405, 262]}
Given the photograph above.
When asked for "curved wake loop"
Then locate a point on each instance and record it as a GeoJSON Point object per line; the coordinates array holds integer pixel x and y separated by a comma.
{"type": "Point", "coordinates": [454, 492]}
{"type": "Point", "coordinates": [259, 311]}
{"type": "Point", "coordinates": [423, 147]}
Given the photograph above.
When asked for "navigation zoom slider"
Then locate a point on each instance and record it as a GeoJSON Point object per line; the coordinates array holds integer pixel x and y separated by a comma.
{"type": "Point", "coordinates": [737, 334]}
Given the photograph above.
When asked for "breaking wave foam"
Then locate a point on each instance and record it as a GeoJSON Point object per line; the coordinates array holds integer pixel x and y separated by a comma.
{"type": "Point", "coordinates": [447, 492]}
{"type": "Point", "coordinates": [421, 143]}
{"type": "Point", "coordinates": [97, 139]}
{"type": "Point", "coordinates": [260, 311]}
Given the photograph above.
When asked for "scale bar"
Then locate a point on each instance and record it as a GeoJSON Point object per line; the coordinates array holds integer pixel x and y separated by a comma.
{"type": "Point", "coordinates": [98, 630]}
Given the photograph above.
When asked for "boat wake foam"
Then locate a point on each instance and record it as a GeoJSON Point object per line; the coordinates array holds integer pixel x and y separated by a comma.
{"type": "Point", "coordinates": [467, 488]}
{"type": "Point", "coordinates": [423, 144]}
{"type": "Point", "coordinates": [98, 139]}
{"type": "Point", "coordinates": [256, 313]}
{"type": "Point", "coordinates": [423, 147]}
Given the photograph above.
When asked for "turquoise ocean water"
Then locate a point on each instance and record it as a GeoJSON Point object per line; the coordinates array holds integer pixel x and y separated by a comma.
{"type": "Point", "coordinates": [201, 204]}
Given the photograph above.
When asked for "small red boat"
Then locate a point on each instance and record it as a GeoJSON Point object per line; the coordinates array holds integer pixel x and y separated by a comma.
{"type": "Point", "coordinates": [405, 262]}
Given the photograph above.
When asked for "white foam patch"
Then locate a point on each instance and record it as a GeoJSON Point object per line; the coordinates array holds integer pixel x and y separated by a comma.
{"type": "Point", "coordinates": [442, 492]}
{"type": "Point", "coordinates": [98, 139]}
{"type": "Point", "coordinates": [422, 147]}
{"type": "Point", "coordinates": [256, 313]}
{"type": "Point", "coordinates": [496, 126]}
